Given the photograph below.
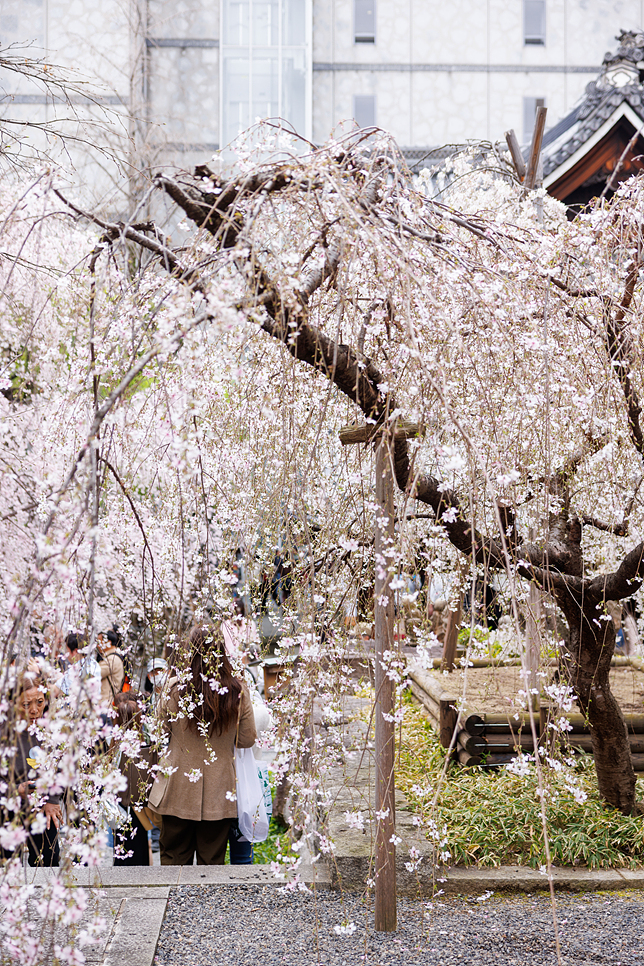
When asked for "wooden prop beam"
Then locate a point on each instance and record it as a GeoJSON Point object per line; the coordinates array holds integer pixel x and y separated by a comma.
{"type": "Point", "coordinates": [535, 148]}
{"type": "Point", "coordinates": [515, 153]}
{"type": "Point", "coordinates": [364, 432]}
{"type": "Point", "coordinates": [385, 892]}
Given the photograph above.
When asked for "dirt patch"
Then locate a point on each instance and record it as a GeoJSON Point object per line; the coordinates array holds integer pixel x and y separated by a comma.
{"type": "Point", "coordinates": [494, 689]}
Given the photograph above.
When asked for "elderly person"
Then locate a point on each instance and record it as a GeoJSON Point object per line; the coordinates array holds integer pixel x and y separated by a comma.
{"type": "Point", "coordinates": [31, 705]}
{"type": "Point", "coordinates": [208, 711]}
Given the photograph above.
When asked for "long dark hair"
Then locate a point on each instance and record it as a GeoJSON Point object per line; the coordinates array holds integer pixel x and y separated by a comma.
{"type": "Point", "coordinates": [209, 665]}
{"type": "Point", "coordinates": [127, 706]}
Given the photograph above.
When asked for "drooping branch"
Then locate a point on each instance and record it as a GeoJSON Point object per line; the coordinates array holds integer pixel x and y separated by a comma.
{"type": "Point", "coordinates": [129, 499]}
{"type": "Point", "coordinates": [112, 400]}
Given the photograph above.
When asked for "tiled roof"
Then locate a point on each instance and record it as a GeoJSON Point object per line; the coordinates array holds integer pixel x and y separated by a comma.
{"type": "Point", "coordinates": [419, 158]}
{"type": "Point", "coordinates": [618, 83]}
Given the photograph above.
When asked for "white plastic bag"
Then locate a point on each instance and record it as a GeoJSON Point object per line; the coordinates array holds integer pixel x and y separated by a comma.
{"type": "Point", "coordinates": [264, 780]}
{"type": "Point", "coordinates": [113, 815]}
{"type": "Point", "coordinates": [251, 810]}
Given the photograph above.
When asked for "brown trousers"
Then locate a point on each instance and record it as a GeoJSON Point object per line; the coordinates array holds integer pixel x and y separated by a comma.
{"type": "Point", "coordinates": [181, 838]}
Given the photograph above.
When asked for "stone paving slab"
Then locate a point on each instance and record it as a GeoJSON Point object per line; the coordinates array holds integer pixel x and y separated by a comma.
{"type": "Point", "coordinates": [136, 933]}
{"type": "Point", "coordinates": [349, 872]}
{"type": "Point", "coordinates": [104, 904]}
{"type": "Point", "coordinates": [153, 878]}
{"type": "Point", "coordinates": [145, 883]}
{"type": "Point", "coordinates": [99, 878]}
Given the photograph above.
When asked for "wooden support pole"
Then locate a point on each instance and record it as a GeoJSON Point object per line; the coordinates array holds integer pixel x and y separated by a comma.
{"type": "Point", "coordinates": [532, 652]}
{"type": "Point", "coordinates": [448, 662]}
{"type": "Point", "coordinates": [385, 892]}
{"type": "Point", "coordinates": [535, 148]}
{"type": "Point", "coordinates": [515, 153]}
{"type": "Point", "coordinates": [364, 433]}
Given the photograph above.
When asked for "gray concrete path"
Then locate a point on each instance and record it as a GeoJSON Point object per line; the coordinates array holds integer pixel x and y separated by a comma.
{"type": "Point", "coordinates": [133, 901]}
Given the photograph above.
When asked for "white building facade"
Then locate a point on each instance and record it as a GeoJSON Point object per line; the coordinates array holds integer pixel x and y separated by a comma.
{"type": "Point", "coordinates": [188, 75]}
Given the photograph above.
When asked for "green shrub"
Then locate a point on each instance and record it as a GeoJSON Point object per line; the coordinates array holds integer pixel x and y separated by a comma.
{"type": "Point", "coordinates": [493, 818]}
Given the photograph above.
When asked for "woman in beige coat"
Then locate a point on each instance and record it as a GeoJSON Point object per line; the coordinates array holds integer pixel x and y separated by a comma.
{"type": "Point", "coordinates": [207, 713]}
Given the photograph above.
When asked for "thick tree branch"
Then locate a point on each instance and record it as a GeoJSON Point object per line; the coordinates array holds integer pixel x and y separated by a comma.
{"type": "Point", "coordinates": [618, 529]}
{"type": "Point", "coordinates": [621, 583]}
{"type": "Point", "coordinates": [555, 566]}
{"type": "Point", "coordinates": [620, 350]}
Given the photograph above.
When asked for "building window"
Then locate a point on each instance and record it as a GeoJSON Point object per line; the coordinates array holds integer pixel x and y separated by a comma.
{"type": "Point", "coordinates": [265, 64]}
{"type": "Point", "coordinates": [364, 21]}
{"type": "Point", "coordinates": [530, 105]}
{"type": "Point", "coordinates": [534, 22]}
{"type": "Point", "coordinates": [364, 110]}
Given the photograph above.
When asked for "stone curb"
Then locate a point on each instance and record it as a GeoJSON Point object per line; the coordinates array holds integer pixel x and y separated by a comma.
{"type": "Point", "coordinates": [350, 873]}
{"type": "Point", "coordinates": [156, 879]}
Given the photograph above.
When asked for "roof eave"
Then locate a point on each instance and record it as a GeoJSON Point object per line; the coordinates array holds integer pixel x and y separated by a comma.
{"type": "Point", "coordinates": [622, 110]}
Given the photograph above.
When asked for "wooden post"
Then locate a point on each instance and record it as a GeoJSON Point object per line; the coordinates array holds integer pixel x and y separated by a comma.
{"type": "Point", "coordinates": [535, 148]}
{"type": "Point", "coordinates": [447, 720]}
{"type": "Point", "coordinates": [515, 153]}
{"type": "Point", "coordinates": [385, 891]}
{"type": "Point", "coordinates": [532, 645]}
{"type": "Point", "coordinates": [454, 618]}
{"type": "Point", "coordinates": [385, 905]}
{"type": "Point", "coordinates": [448, 662]}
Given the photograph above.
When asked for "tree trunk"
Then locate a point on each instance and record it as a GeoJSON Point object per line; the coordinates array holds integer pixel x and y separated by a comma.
{"type": "Point", "coordinates": [592, 643]}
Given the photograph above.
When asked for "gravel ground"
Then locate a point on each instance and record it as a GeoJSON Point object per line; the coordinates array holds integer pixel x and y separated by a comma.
{"type": "Point", "coordinates": [213, 925]}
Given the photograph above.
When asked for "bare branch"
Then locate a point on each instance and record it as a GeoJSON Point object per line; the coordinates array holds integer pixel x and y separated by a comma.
{"type": "Point", "coordinates": [136, 234]}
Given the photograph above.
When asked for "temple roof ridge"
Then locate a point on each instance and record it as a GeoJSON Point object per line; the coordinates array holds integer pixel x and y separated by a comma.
{"type": "Point", "coordinates": [620, 82]}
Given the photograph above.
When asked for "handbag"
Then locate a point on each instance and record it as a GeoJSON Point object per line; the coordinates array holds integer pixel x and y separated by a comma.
{"type": "Point", "coordinates": [148, 817]}
{"type": "Point", "coordinates": [111, 812]}
{"type": "Point", "coordinates": [251, 809]}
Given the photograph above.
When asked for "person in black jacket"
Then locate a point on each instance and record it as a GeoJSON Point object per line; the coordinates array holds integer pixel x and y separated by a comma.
{"type": "Point", "coordinates": [131, 841]}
